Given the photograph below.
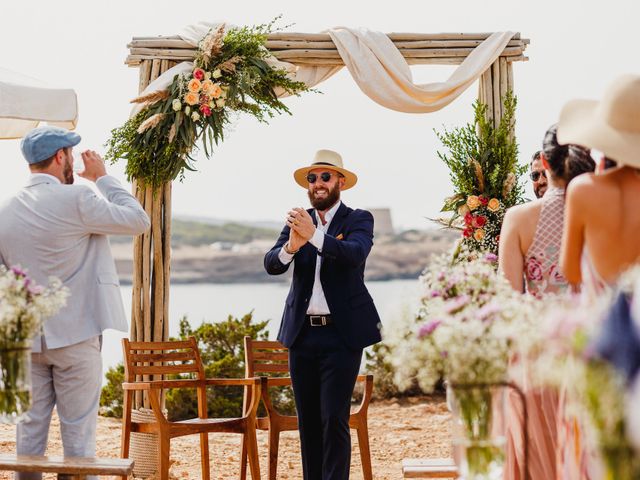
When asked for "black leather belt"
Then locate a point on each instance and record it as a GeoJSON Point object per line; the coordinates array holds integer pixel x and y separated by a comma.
{"type": "Point", "coordinates": [319, 320]}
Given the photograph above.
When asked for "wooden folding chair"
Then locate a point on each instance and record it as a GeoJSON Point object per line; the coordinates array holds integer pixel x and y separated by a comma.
{"type": "Point", "coordinates": [269, 358]}
{"type": "Point", "coordinates": [183, 357]}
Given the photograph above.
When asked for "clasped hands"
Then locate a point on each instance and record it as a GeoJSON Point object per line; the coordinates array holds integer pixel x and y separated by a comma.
{"type": "Point", "coordinates": [301, 228]}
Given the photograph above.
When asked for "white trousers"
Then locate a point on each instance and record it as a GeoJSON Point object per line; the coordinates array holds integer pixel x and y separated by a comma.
{"type": "Point", "coordinates": [69, 378]}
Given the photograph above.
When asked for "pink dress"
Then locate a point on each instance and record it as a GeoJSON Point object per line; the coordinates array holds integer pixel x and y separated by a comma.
{"type": "Point", "coordinates": [541, 261]}
{"type": "Point", "coordinates": [542, 277]}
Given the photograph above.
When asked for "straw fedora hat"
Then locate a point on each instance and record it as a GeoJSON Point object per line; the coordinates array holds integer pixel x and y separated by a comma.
{"type": "Point", "coordinates": [331, 161]}
{"type": "Point", "coordinates": [611, 125]}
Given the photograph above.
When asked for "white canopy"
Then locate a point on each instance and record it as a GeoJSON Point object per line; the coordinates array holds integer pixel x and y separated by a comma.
{"type": "Point", "coordinates": [25, 102]}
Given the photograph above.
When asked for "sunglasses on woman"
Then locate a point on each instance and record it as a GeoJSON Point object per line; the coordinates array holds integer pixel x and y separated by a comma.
{"type": "Point", "coordinates": [535, 175]}
{"type": "Point", "coordinates": [324, 176]}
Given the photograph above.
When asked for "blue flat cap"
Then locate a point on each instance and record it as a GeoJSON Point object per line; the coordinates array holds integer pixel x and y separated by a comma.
{"type": "Point", "coordinates": [43, 142]}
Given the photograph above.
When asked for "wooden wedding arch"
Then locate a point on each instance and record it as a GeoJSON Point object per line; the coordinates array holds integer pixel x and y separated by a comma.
{"type": "Point", "coordinates": [155, 55]}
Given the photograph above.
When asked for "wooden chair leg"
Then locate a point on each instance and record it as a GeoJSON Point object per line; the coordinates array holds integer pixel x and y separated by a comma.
{"type": "Point", "coordinates": [365, 451]}
{"type": "Point", "coordinates": [252, 452]}
{"type": "Point", "coordinates": [204, 455]}
{"type": "Point", "coordinates": [164, 450]}
{"type": "Point", "coordinates": [274, 441]}
{"type": "Point", "coordinates": [126, 427]}
{"type": "Point", "coordinates": [243, 458]}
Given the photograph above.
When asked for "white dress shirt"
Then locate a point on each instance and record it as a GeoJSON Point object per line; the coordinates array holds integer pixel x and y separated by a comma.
{"type": "Point", "coordinates": [317, 302]}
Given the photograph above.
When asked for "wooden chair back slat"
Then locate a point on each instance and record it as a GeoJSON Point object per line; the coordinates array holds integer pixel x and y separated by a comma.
{"type": "Point", "coordinates": [165, 369]}
{"type": "Point", "coordinates": [163, 357]}
{"type": "Point", "coordinates": [174, 345]}
{"type": "Point", "coordinates": [271, 367]}
{"type": "Point", "coordinates": [263, 356]}
{"type": "Point", "coordinates": [157, 359]}
{"type": "Point", "coordinates": [271, 356]}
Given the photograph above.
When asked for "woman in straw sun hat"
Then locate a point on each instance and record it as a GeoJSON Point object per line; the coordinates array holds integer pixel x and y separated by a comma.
{"type": "Point", "coordinates": [602, 223]}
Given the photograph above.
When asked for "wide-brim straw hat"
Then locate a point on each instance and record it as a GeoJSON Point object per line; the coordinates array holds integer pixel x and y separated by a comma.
{"type": "Point", "coordinates": [331, 161]}
{"type": "Point", "coordinates": [611, 125]}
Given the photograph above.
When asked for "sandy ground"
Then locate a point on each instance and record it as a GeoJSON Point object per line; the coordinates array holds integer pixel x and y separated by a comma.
{"type": "Point", "coordinates": [411, 428]}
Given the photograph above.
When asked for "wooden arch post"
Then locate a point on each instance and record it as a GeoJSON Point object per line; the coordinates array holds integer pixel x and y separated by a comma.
{"type": "Point", "coordinates": [155, 55]}
{"type": "Point", "coordinates": [151, 251]}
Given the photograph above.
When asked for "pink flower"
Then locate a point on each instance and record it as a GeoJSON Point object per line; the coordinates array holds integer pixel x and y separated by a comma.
{"type": "Point", "coordinates": [205, 110]}
{"type": "Point", "coordinates": [491, 257]}
{"type": "Point", "coordinates": [468, 219]}
{"type": "Point", "coordinates": [457, 304]}
{"type": "Point", "coordinates": [479, 221]}
{"type": "Point", "coordinates": [198, 73]}
{"type": "Point", "coordinates": [483, 200]}
{"type": "Point", "coordinates": [429, 328]}
{"type": "Point", "coordinates": [534, 269]}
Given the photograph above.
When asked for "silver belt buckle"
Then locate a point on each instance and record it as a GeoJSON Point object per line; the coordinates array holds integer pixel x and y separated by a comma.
{"type": "Point", "coordinates": [322, 320]}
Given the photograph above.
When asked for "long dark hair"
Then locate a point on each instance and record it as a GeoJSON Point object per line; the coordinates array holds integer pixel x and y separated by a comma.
{"type": "Point", "coordinates": [565, 161]}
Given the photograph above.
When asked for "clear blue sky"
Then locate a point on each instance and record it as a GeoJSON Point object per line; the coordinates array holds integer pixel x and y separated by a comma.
{"type": "Point", "coordinates": [576, 48]}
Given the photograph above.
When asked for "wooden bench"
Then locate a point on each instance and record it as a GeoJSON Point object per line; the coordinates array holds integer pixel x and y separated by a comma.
{"type": "Point", "coordinates": [77, 467]}
{"type": "Point", "coordinates": [429, 468]}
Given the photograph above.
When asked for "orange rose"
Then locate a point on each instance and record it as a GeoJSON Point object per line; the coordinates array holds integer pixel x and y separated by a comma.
{"type": "Point", "coordinates": [207, 87]}
{"type": "Point", "coordinates": [216, 90]}
{"type": "Point", "coordinates": [463, 210]}
{"type": "Point", "coordinates": [473, 202]}
{"type": "Point", "coordinates": [194, 85]}
{"type": "Point", "coordinates": [493, 205]}
{"type": "Point", "coordinates": [478, 234]}
{"type": "Point", "coordinates": [191, 98]}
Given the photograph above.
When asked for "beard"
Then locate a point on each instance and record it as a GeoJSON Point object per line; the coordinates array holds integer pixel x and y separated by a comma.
{"type": "Point", "coordinates": [540, 190]}
{"type": "Point", "coordinates": [67, 173]}
{"type": "Point", "coordinates": [324, 203]}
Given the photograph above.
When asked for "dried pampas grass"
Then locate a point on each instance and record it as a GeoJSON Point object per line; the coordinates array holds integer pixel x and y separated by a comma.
{"type": "Point", "coordinates": [151, 122]}
{"type": "Point", "coordinates": [479, 175]}
{"type": "Point", "coordinates": [152, 97]}
{"type": "Point", "coordinates": [212, 43]}
{"type": "Point", "coordinates": [508, 185]}
{"type": "Point", "coordinates": [230, 65]}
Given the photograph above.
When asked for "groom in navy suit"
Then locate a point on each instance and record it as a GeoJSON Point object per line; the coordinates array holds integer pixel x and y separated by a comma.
{"type": "Point", "coordinates": [329, 316]}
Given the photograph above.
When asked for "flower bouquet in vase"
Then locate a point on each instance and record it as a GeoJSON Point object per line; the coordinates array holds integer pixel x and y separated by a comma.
{"type": "Point", "coordinates": [465, 332]}
{"type": "Point", "coordinates": [23, 307]}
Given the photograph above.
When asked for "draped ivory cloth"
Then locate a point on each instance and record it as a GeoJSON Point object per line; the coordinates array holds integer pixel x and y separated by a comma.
{"type": "Point", "coordinates": [25, 102]}
{"type": "Point", "coordinates": [375, 64]}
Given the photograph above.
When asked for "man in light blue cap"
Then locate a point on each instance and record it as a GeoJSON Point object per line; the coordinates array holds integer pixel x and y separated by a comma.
{"type": "Point", "coordinates": [54, 228]}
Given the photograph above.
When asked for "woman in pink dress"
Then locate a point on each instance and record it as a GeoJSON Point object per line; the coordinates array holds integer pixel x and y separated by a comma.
{"type": "Point", "coordinates": [529, 253]}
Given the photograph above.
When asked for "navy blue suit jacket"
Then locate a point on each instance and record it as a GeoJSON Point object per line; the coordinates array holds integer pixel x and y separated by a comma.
{"type": "Point", "coordinates": [342, 277]}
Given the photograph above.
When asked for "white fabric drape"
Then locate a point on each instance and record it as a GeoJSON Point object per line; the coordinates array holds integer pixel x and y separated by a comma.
{"type": "Point", "coordinates": [25, 102]}
{"type": "Point", "coordinates": [376, 65]}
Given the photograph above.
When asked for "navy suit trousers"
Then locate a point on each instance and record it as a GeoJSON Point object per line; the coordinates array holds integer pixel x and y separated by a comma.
{"type": "Point", "coordinates": [323, 372]}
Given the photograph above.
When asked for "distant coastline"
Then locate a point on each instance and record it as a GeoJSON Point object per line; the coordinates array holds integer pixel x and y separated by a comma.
{"type": "Point", "coordinates": [400, 256]}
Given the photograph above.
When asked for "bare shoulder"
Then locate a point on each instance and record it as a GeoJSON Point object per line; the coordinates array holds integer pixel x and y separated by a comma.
{"type": "Point", "coordinates": [523, 212]}
{"type": "Point", "coordinates": [584, 188]}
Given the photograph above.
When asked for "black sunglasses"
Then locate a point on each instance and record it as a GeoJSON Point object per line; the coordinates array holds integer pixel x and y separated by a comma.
{"type": "Point", "coordinates": [324, 176]}
{"type": "Point", "coordinates": [535, 176]}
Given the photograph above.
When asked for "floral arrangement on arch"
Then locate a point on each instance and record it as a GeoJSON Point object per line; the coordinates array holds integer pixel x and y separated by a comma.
{"type": "Point", "coordinates": [483, 167]}
{"type": "Point", "coordinates": [231, 74]}
{"type": "Point", "coordinates": [466, 328]}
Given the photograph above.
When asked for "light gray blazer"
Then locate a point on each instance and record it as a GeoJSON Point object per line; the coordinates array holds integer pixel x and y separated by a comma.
{"type": "Point", "coordinates": [60, 230]}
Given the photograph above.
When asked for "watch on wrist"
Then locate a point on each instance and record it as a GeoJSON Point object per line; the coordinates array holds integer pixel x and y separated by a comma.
{"type": "Point", "coordinates": [290, 252]}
